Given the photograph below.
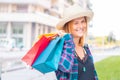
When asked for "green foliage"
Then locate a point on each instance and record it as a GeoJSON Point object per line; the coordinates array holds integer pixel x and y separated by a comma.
{"type": "Point", "coordinates": [109, 69]}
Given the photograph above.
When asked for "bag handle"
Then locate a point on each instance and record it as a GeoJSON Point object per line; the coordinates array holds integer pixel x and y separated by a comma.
{"type": "Point", "coordinates": [53, 36]}
{"type": "Point", "coordinates": [49, 35]}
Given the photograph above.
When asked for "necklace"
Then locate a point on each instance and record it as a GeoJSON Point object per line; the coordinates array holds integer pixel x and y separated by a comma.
{"type": "Point", "coordinates": [83, 68]}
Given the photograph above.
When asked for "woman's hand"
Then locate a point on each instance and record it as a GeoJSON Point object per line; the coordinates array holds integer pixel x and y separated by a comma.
{"type": "Point", "coordinates": [61, 33]}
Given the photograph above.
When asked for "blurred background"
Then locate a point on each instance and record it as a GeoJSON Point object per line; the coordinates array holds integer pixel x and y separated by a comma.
{"type": "Point", "coordinates": [22, 21]}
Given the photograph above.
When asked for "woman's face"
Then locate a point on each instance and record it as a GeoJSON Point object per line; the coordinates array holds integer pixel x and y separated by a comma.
{"type": "Point", "coordinates": [79, 27]}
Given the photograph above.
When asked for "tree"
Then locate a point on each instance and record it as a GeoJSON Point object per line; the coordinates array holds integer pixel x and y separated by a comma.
{"type": "Point", "coordinates": [111, 37]}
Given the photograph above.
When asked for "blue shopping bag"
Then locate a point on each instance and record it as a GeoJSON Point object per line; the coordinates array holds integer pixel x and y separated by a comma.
{"type": "Point", "coordinates": [50, 57]}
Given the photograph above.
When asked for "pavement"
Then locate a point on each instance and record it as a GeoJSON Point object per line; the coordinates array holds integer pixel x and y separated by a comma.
{"type": "Point", "coordinates": [14, 69]}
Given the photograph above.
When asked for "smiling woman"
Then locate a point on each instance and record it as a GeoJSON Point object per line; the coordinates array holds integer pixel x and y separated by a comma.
{"type": "Point", "coordinates": [78, 28]}
{"type": "Point", "coordinates": [76, 61]}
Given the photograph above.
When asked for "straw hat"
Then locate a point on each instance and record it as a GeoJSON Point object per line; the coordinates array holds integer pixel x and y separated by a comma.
{"type": "Point", "coordinates": [73, 12]}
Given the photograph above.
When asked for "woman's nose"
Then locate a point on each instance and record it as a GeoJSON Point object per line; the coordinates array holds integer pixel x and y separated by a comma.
{"type": "Point", "coordinates": [81, 26]}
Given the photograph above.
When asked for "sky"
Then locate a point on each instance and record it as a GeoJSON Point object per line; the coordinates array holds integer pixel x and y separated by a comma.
{"type": "Point", "coordinates": [106, 17]}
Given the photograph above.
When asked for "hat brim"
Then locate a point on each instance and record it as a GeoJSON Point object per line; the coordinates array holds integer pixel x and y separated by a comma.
{"type": "Point", "coordinates": [62, 22]}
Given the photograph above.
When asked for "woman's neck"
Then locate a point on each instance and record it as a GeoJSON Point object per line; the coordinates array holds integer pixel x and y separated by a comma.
{"type": "Point", "coordinates": [79, 49]}
{"type": "Point", "coordinates": [76, 41]}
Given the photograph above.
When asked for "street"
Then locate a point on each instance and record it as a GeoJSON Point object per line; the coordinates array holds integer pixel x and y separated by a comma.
{"type": "Point", "coordinates": [19, 71]}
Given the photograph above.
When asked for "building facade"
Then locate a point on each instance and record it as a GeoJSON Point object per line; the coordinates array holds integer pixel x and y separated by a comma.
{"type": "Point", "coordinates": [24, 20]}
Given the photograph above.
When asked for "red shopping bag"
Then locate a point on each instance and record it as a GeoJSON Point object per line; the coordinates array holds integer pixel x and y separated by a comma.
{"type": "Point", "coordinates": [37, 48]}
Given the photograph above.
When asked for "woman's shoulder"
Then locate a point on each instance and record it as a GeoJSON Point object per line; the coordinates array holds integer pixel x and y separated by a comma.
{"type": "Point", "coordinates": [67, 36]}
{"type": "Point", "coordinates": [86, 45]}
{"type": "Point", "coordinates": [87, 49]}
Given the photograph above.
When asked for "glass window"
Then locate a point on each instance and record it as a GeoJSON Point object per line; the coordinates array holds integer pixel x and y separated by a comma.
{"type": "Point", "coordinates": [53, 29]}
{"type": "Point", "coordinates": [19, 42]}
{"type": "Point", "coordinates": [17, 33]}
{"type": "Point", "coordinates": [22, 8]}
{"type": "Point", "coordinates": [47, 11]}
{"type": "Point", "coordinates": [44, 28]}
{"type": "Point", "coordinates": [49, 30]}
{"type": "Point", "coordinates": [3, 28]}
{"type": "Point", "coordinates": [17, 28]}
{"type": "Point", "coordinates": [3, 8]}
{"type": "Point", "coordinates": [69, 1]}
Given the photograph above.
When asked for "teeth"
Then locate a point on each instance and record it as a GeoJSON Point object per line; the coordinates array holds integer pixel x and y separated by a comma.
{"type": "Point", "coordinates": [79, 29]}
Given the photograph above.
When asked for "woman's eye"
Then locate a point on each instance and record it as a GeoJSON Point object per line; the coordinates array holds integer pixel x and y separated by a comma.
{"type": "Point", "coordinates": [76, 23]}
{"type": "Point", "coordinates": [83, 21]}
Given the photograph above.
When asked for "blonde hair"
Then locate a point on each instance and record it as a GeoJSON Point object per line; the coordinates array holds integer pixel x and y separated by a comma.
{"type": "Point", "coordinates": [67, 28]}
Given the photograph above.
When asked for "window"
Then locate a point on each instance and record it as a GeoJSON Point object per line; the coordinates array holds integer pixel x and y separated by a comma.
{"type": "Point", "coordinates": [17, 33]}
{"type": "Point", "coordinates": [49, 29]}
{"type": "Point", "coordinates": [55, 7]}
{"type": "Point", "coordinates": [44, 27]}
{"type": "Point", "coordinates": [3, 8]}
{"type": "Point", "coordinates": [17, 28]}
{"type": "Point", "coordinates": [19, 42]}
{"type": "Point", "coordinates": [47, 11]}
{"type": "Point", "coordinates": [22, 8]}
{"type": "Point", "coordinates": [69, 1]}
{"type": "Point", "coordinates": [3, 28]}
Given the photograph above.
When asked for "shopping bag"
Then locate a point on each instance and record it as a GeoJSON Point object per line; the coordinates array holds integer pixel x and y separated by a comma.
{"type": "Point", "coordinates": [37, 48]}
{"type": "Point", "coordinates": [49, 58]}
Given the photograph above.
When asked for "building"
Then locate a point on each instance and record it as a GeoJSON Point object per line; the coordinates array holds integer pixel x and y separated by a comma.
{"type": "Point", "coordinates": [24, 20]}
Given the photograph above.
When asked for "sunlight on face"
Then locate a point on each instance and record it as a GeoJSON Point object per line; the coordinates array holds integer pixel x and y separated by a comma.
{"type": "Point", "coordinates": [79, 27]}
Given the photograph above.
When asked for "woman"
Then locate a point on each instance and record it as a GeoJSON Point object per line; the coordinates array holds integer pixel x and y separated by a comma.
{"type": "Point", "coordinates": [76, 61]}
